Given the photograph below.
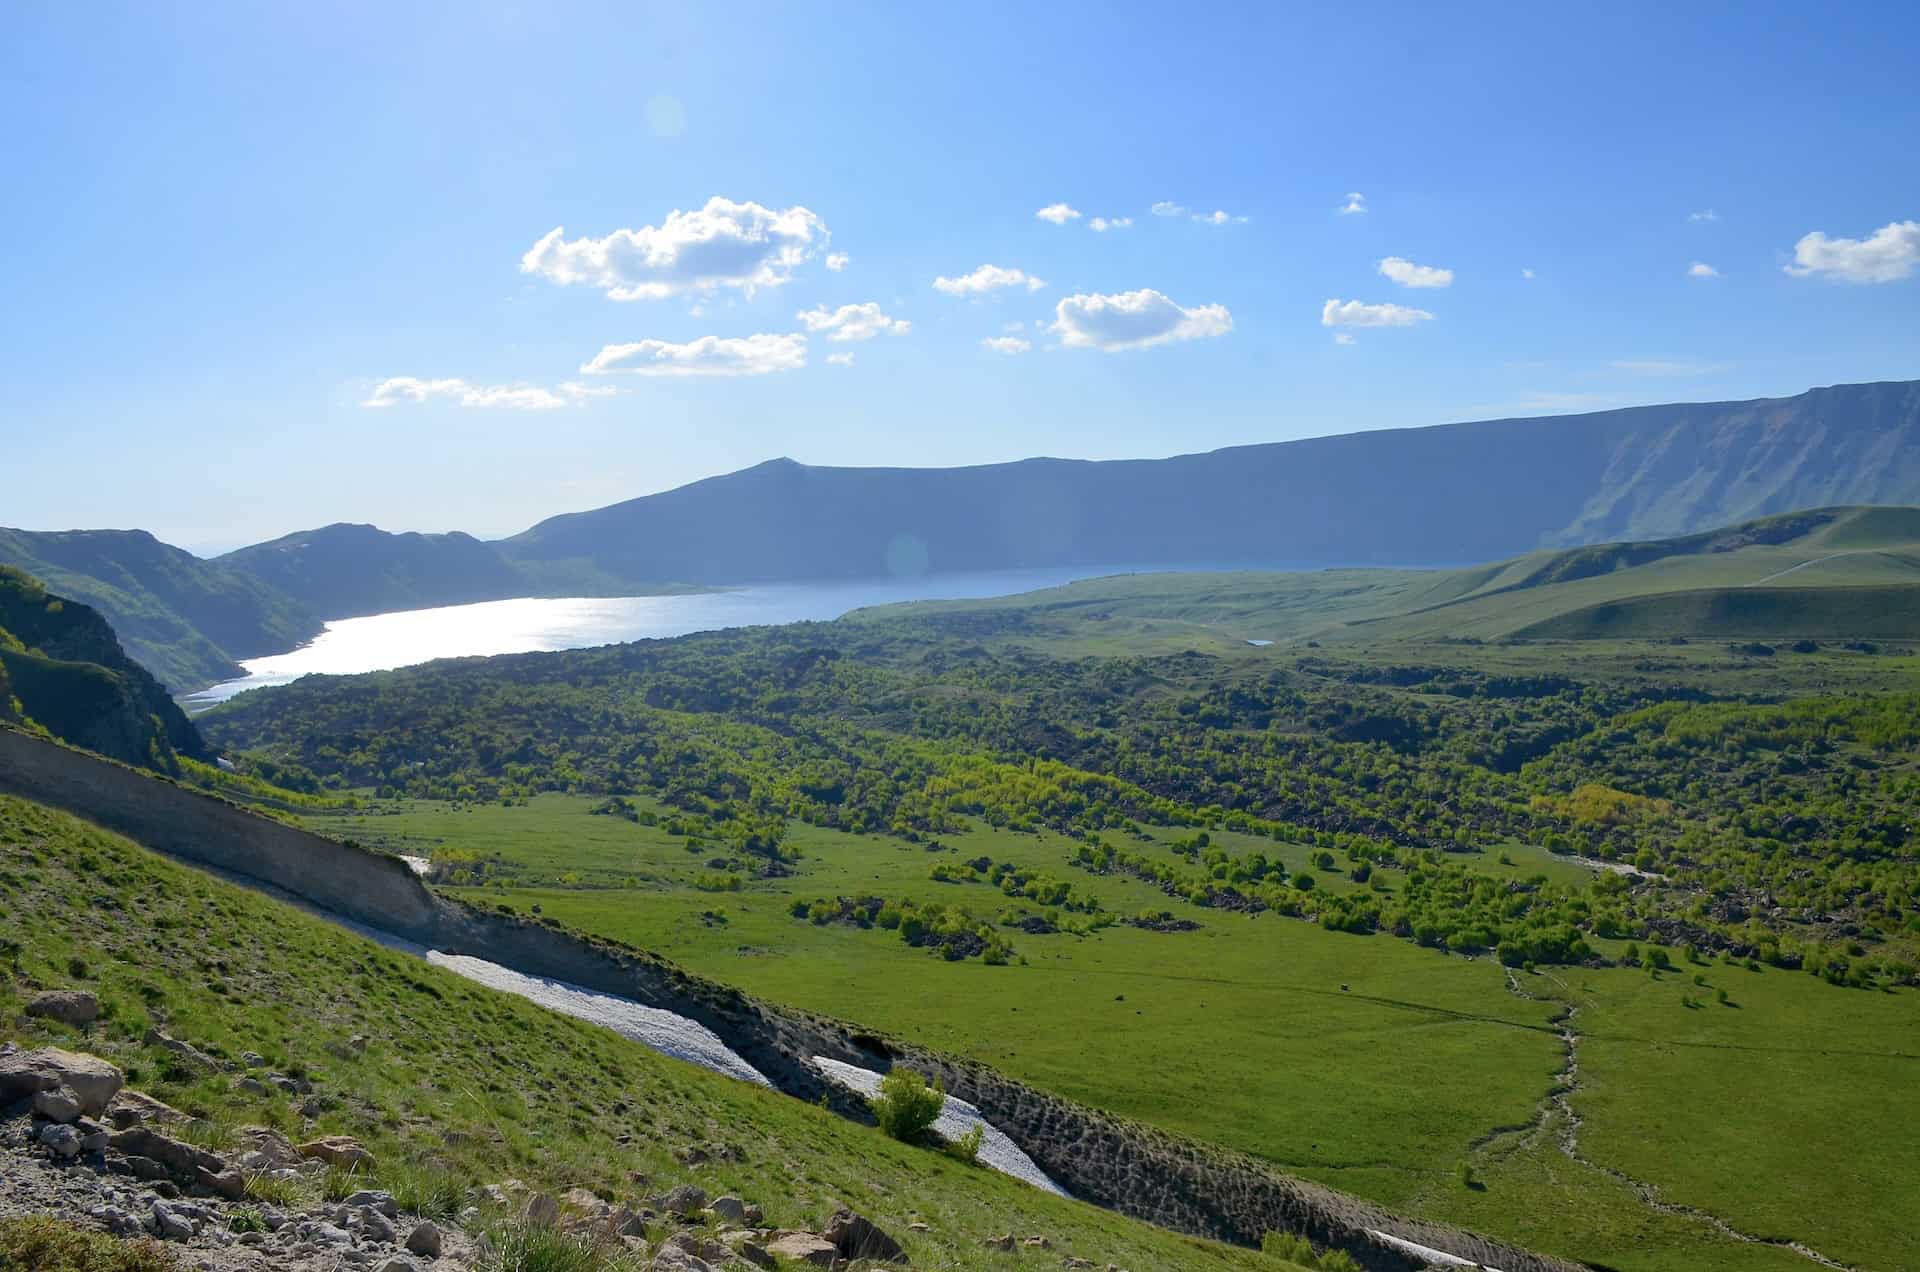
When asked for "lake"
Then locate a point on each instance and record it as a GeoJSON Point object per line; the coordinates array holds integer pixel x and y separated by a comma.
{"type": "Point", "coordinates": [381, 642]}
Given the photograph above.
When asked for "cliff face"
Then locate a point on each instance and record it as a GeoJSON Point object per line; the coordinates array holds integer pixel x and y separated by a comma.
{"type": "Point", "coordinates": [1138, 1171]}
{"type": "Point", "coordinates": [62, 668]}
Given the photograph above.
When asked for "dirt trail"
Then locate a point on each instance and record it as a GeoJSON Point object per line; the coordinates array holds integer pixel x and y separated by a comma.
{"type": "Point", "coordinates": [1557, 1110]}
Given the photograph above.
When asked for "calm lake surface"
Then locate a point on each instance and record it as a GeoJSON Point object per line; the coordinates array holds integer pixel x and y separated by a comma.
{"type": "Point", "coordinates": [380, 642]}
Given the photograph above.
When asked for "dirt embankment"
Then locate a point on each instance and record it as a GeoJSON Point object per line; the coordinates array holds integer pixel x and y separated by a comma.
{"type": "Point", "coordinates": [1134, 1169]}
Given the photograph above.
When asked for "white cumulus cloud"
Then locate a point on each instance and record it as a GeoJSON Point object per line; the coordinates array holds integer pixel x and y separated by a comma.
{"type": "Point", "coordinates": [986, 279]}
{"type": "Point", "coordinates": [1526, 274]}
{"type": "Point", "coordinates": [1700, 269]}
{"type": "Point", "coordinates": [837, 261]}
{"type": "Point", "coordinates": [514, 397]}
{"type": "Point", "coordinates": [1006, 344]}
{"type": "Point", "coordinates": [852, 322]}
{"type": "Point", "coordinates": [1885, 256]}
{"type": "Point", "coordinates": [1217, 217]}
{"type": "Point", "coordinates": [1407, 274]}
{"type": "Point", "coordinates": [1354, 313]}
{"type": "Point", "coordinates": [1058, 213]}
{"type": "Point", "coordinates": [707, 356]}
{"type": "Point", "coordinates": [1101, 224]}
{"type": "Point", "coordinates": [1167, 207]}
{"type": "Point", "coordinates": [1356, 205]}
{"type": "Point", "coordinates": [1705, 214]}
{"type": "Point", "coordinates": [1134, 320]}
{"type": "Point", "coordinates": [743, 246]}
{"type": "Point", "coordinates": [841, 359]}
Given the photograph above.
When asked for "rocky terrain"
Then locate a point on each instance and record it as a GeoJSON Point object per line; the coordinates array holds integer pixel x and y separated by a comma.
{"type": "Point", "coordinates": [80, 1146]}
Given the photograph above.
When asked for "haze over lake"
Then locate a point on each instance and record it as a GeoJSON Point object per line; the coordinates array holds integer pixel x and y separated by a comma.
{"type": "Point", "coordinates": [381, 642]}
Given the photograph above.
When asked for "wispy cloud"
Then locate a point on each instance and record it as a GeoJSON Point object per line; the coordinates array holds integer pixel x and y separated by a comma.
{"type": "Point", "coordinates": [1356, 205]}
{"type": "Point", "coordinates": [1134, 320]}
{"type": "Point", "coordinates": [1705, 214]}
{"type": "Point", "coordinates": [1407, 274]}
{"type": "Point", "coordinates": [1527, 274]}
{"type": "Point", "coordinates": [852, 322]}
{"type": "Point", "coordinates": [1887, 255]}
{"type": "Point", "coordinates": [708, 356]}
{"type": "Point", "coordinates": [1217, 217]}
{"type": "Point", "coordinates": [986, 279]}
{"type": "Point", "coordinates": [399, 389]}
{"type": "Point", "coordinates": [1006, 344]}
{"type": "Point", "coordinates": [1058, 213]}
{"type": "Point", "coordinates": [1700, 269]}
{"type": "Point", "coordinates": [844, 359]}
{"type": "Point", "coordinates": [1354, 313]}
{"type": "Point", "coordinates": [1167, 207]}
{"type": "Point", "coordinates": [741, 246]}
{"type": "Point", "coordinates": [1343, 337]}
{"type": "Point", "coordinates": [1101, 224]}
{"type": "Point", "coordinates": [837, 261]}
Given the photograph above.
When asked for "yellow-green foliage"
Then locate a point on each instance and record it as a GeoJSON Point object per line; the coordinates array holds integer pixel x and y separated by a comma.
{"type": "Point", "coordinates": [1592, 804]}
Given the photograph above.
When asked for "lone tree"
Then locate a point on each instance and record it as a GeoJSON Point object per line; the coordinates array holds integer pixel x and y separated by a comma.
{"type": "Point", "coordinates": [906, 1106]}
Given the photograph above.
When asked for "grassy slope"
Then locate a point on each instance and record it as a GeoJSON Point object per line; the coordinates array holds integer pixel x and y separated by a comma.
{"type": "Point", "coordinates": [1244, 1037]}
{"type": "Point", "coordinates": [538, 1096]}
{"type": "Point", "coordinates": [1843, 547]}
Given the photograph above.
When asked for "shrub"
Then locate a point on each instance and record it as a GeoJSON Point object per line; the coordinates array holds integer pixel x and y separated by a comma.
{"type": "Point", "coordinates": [425, 1189]}
{"type": "Point", "coordinates": [39, 1243]}
{"type": "Point", "coordinates": [1290, 1246]}
{"type": "Point", "coordinates": [967, 1147]}
{"type": "Point", "coordinates": [528, 1247]}
{"type": "Point", "coordinates": [906, 1106]}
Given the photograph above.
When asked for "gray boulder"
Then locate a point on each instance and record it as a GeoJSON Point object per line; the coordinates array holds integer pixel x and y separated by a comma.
{"type": "Point", "coordinates": [74, 1007]}
{"type": "Point", "coordinates": [92, 1080]}
{"type": "Point", "coordinates": [425, 1240]}
{"type": "Point", "coordinates": [857, 1237]}
{"type": "Point", "coordinates": [58, 1105]}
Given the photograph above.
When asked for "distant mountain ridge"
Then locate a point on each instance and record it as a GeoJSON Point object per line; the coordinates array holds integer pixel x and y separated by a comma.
{"type": "Point", "coordinates": [186, 620]}
{"type": "Point", "coordinates": [1447, 494]}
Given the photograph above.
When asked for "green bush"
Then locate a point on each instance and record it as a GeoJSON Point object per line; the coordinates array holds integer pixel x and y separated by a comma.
{"type": "Point", "coordinates": [39, 1243]}
{"type": "Point", "coordinates": [967, 1147]}
{"type": "Point", "coordinates": [1290, 1246]}
{"type": "Point", "coordinates": [906, 1106]}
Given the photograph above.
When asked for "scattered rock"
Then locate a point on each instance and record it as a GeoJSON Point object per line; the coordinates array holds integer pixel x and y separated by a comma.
{"type": "Point", "coordinates": [1003, 1242]}
{"type": "Point", "coordinates": [674, 1259]}
{"type": "Point", "coordinates": [188, 1054]}
{"type": "Point", "coordinates": [129, 1107]}
{"type": "Point", "coordinates": [336, 1150]}
{"type": "Point", "coordinates": [178, 1156]}
{"type": "Point", "coordinates": [74, 1007]}
{"type": "Point", "coordinates": [857, 1237]}
{"type": "Point", "coordinates": [803, 1247]}
{"type": "Point", "coordinates": [170, 1225]}
{"type": "Point", "coordinates": [397, 1263]}
{"type": "Point", "coordinates": [542, 1209]}
{"type": "Point", "coordinates": [92, 1080]}
{"type": "Point", "coordinates": [60, 1139]}
{"type": "Point", "coordinates": [348, 1049]}
{"type": "Point", "coordinates": [687, 1200]}
{"type": "Point", "coordinates": [58, 1105]}
{"type": "Point", "coordinates": [919, 1226]}
{"type": "Point", "coordinates": [1037, 1243]}
{"type": "Point", "coordinates": [746, 1245]}
{"type": "Point", "coordinates": [251, 1086]}
{"type": "Point", "coordinates": [373, 1199]}
{"type": "Point", "coordinates": [729, 1208]}
{"type": "Point", "coordinates": [230, 1184]}
{"type": "Point", "coordinates": [93, 1136]}
{"type": "Point", "coordinates": [253, 1060]}
{"type": "Point", "coordinates": [424, 1240]}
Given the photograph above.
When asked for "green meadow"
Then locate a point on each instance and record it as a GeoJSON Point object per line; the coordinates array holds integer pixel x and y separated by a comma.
{"type": "Point", "coordinates": [1364, 1062]}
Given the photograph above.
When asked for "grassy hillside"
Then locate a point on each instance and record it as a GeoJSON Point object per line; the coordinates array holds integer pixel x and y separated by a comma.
{"type": "Point", "coordinates": [62, 670]}
{"type": "Point", "coordinates": [186, 620]}
{"type": "Point", "coordinates": [1518, 597]}
{"type": "Point", "coordinates": [1758, 613]}
{"type": "Point", "coordinates": [341, 571]}
{"type": "Point", "coordinates": [458, 1083]}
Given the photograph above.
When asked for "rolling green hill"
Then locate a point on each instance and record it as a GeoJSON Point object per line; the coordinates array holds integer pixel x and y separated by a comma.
{"type": "Point", "coordinates": [1843, 566]}
{"type": "Point", "coordinates": [62, 669]}
{"type": "Point", "coordinates": [186, 620]}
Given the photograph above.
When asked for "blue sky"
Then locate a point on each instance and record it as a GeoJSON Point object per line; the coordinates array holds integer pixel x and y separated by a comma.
{"type": "Point", "coordinates": [230, 228]}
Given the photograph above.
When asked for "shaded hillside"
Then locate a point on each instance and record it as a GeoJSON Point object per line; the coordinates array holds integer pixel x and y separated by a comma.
{"type": "Point", "coordinates": [341, 570]}
{"type": "Point", "coordinates": [187, 620]}
{"type": "Point", "coordinates": [1764, 613]}
{"type": "Point", "coordinates": [1454, 493]}
{"type": "Point", "coordinates": [62, 669]}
